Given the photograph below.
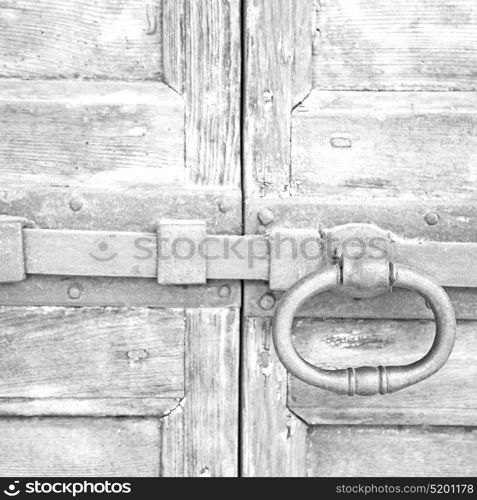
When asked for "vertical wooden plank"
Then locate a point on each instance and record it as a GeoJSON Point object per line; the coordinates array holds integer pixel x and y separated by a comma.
{"type": "Point", "coordinates": [173, 29]}
{"type": "Point", "coordinates": [278, 51]}
{"type": "Point", "coordinates": [278, 44]}
{"type": "Point", "coordinates": [200, 437]}
{"type": "Point", "coordinates": [202, 61]}
{"type": "Point", "coordinates": [212, 405]}
{"type": "Point", "coordinates": [273, 439]}
{"type": "Point", "coordinates": [172, 440]}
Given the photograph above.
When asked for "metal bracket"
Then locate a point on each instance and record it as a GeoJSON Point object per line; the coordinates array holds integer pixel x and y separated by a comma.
{"type": "Point", "coordinates": [12, 260]}
{"type": "Point", "coordinates": [181, 258]}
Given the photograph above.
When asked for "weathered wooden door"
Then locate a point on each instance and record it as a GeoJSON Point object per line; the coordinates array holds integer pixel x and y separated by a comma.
{"type": "Point", "coordinates": [360, 111]}
{"type": "Point", "coordinates": [113, 115]}
{"type": "Point", "coordinates": [120, 113]}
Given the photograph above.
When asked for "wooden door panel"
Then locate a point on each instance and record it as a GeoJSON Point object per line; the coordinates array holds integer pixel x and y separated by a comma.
{"type": "Point", "coordinates": [96, 353]}
{"type": "Point", "coordinates": [424, 45]}
{"type": "Point", "coordinates": [178, 431]}
{"type": "Point", "coordinates": [365, 113]}
{"type": "Point", "coordinates": [282, 439]}
{"type": "Point", "coordinates": [395, 145]}
{"type": "Point", "coordinates": [377, 451]}
{"type": "Point", "coordinates": [80, 447]}
{"type": "Point", "coordinates": [88, 134]}
{"type": "Point", "coordinates": [81, 38]}
{"type": "Point", "coordinates": [447, 397]}
{"type": "Point", "coordinates": [115, 116]}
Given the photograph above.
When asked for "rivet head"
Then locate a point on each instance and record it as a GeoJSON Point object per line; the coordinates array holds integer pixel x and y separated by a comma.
{"type": "Point", "coordinates": [137, 355]}
{"type": "Point", "coordinates": [267, 302]}
{"type": "Point", "coordinates": [266, 217]}
{"type": "Point", "coordinates": [224, 208]}
{"type": "Point", "coordinates": [75, 291]}
{"type": "Point", "coordinates": [432, 218]}
{"type": "Point", "coordinates": [225, 292]}
{"type": "Point", "coordinates": [76, 204]}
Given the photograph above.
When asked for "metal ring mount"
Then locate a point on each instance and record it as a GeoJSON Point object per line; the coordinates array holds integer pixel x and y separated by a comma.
{"type": "Point", "coordinates": [365, 381]}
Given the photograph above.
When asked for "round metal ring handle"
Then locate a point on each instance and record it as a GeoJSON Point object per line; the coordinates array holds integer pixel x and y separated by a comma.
{"type": "Point", "coordinates": [365, 381]}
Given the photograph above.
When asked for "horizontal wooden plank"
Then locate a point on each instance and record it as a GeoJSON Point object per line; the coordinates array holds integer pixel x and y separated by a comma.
{"type": "Point", "coordinates": [373, 451]}
{"type": "Point", "coordinates": [398, 145]}
{"type": "Point", "coordinates": [78, 133]}
{"type": "Point", "coordinates": [404, 44]}
{"type": "Point", "coordinates": [117, 292]}
{"type": "Point", "coordinates": [119, 208]}
{"type": "Point", "coordinates": [449, 397]}
{"type": "Point", "coordinates": [80, 447]}
{"type": "Point", "coordinates": [91, 353]}
{"type": "Point", "coordinates": [400, 304]}
{"type": "Point", "coordinates": [87, 407]}
{"type": "Point", "coordinates": [457, 220]}
{"type": "Point", "coordinates": [81, 38]}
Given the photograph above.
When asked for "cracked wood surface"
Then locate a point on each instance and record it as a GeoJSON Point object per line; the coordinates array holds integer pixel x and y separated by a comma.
{"type": "Point", "coordinates": [201, 435]}
{"type": "Point", "coordinates": [273, 438]}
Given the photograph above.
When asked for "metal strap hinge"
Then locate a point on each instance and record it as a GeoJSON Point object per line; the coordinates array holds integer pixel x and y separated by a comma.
{"type": "Point", "coordinates": [182, 253]}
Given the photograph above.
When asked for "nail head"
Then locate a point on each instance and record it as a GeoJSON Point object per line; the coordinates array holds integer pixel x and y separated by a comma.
{"type": "Point", "coordinates": [75, 291]}
{"type": "Point", "coordinates": [432, 218]}
{"type": "Point", "coordinates": [266, 217]}
{"type": "Point", "coordinates": [267, 302]}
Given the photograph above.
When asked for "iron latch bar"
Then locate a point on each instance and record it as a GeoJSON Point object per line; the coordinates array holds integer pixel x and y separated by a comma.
{"type": "Point", "coordinates": [181, 252]}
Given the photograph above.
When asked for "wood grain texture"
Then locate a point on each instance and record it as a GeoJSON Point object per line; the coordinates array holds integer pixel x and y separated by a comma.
{"type": "Point", "coordinates": [91, 353]}
{"type": "Point", "coordinates": [79, 447]}
{"type": "Point", "coordinates": [273, 439]}
{"type": "Point", "coordinates": [400, 304]}
{"type": "Point", "coordinates": [201, 435]}
{"type": "Point", "coordinates": [447, 398]}
{"type": "Point", "coordinates": [373, 452]}
{"type": "Point", "coordinates": [88, 133]}
{"type": "Point", "coordinates": [212, 385]}
{"type": "Point", "coordinates": [87, 407]}
{"type": "Point", "coordinates": [202, 61]}
{"type": "Point", "coordinates": [399, 45]}
{"type": "Point", "coordinates": [278, 44]}
{"type": "Point", "coordinates": [81, 39]}
{"type": "Point", "coordinates": [457, 218]}
{"type": "Point", "coordinates": [393, 145]}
